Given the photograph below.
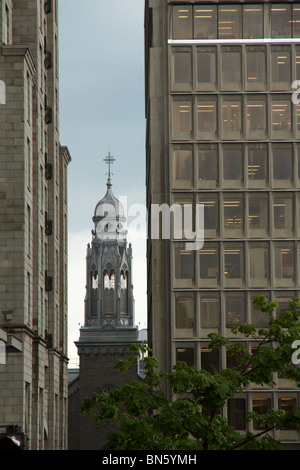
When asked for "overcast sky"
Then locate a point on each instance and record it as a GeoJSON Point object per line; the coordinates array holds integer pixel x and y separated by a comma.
{"type": "Point", "coordinates": [101, 109]}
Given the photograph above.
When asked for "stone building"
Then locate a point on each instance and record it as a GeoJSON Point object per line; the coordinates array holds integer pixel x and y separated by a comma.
{"type": "Point", "coordinates": [109, 328]}
{"type": "Point", "coordinates": [223, 132]}
{"type": "Point", "coordinates": [33, 227]}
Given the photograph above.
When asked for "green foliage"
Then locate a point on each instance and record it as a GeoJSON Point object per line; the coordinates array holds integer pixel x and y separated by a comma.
{"type": "Point", "coordinates": [192, 419]}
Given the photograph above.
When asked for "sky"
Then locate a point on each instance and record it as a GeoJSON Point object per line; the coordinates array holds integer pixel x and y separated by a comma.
{"type": "Point", "coordinates": [101, 61]}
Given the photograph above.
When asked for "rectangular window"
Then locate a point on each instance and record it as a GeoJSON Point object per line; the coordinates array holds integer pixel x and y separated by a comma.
{"type": "Point", "coordinates": [29, 299]}
{"type": "Point", "coordinates": [258, 318]}
{"type": "Point", "coordinates": [232, 118]}
{"type": "Point", "coordinates": [287, 404]}
{"type": "Point", "coordinates": [255, 68]}
{"type": "Point", "coordinates": [281, 20]}
{"type": "Point", "coordinates": [233, 163]}
{"type": "Point", "coordinates": [253, 21]}
{"type": "Point", "coordinates": [210, 359]}
{"type": "Point", "coordinates": [233, 213]}
{"type": "Point", "coordinates": [230, 22]}
{"type": "Point", "coordinates": [185, 312]}
{"type": "Point", "coordinates": [282, 163]}
{"type": "Point", "coordinates": [296, 20]}
{"type": "Point", "coordinates": [258, 212]}
{"type": "Point", "coordinates": [257, 164]}
{"type": "Point", "coordinates": [206, 68]}
{"type": "Point", "coordinates": [209, 310]}
{"type": "Point", "coordinates": [182, 22]}
{"type": "Point", "coordinates": [208, 164]}
{"type": "Point", "coordinates": [231, 68]}
{"type": "Point", "coordinates": [183, 167]}
{"type": "Point", "coordinates": [29, 230]}
{"type": "Point", "coordinates": [211, 212]}
{"type": "Point", "coordinates": [209, 261]}
{"type": "Point", "coordinates": [284, 261]}
{"type": "Point", "coordinates": [207, 119]}
{"type": "Point", "coordinates": [205, 22]}
{"type": "Point", "coordinates": [281, 118]}
{"type": "Point", "coordinates": [256, 118]}
{"type": "Point", "coordinates": [184, 263]}
{"type": "Point", "coordinates": [235, 309]}
{"type": "Point", "coordinates": [186, 355]}
{"type": "Point", "coordinates": [233, 261]}
{"type": "Point", "coordinates": [283, 213]}
{"type": "Point", "coordinates": [29, 164]}
{"type": "Point", "coordinates": [182, 119]}
{"type": "Point", "coordinates": [281, 68]}
{"type": "Point", "coordinates": [236, 409]}
{"type": "Point", "coordinates": [259, 262]}
{"type": "Point", "coordinates": [181, 69]}
{"type": "Point", "coordinates": [260, 406]}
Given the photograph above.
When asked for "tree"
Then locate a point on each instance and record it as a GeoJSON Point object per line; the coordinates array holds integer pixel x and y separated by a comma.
{"type": "Point", "coordinates": [192, 419]}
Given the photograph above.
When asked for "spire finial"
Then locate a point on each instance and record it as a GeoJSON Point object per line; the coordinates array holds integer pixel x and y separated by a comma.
{"type": "Point", "coordinates": [109, 160]}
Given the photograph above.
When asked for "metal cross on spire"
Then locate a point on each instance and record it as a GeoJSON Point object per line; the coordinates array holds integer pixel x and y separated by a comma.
{"type": "Point", "coordinates": [109, 160]}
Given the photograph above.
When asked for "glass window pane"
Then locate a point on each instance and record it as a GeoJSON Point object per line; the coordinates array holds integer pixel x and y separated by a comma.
{"type": "Point", "coordinates": [184, 264]}
{"type": "Point", "coordinates": [210, 310]}
{"type": "Point", "coordinates": [284, 301]}
{"type": "Point", "coordinates": [281, 21]}
{"type": "Point", "coordinates": [185, 312]}
{"type": "Point", "coordinates": [230, 22]}
{"type": "Point", "coordinates": [258, 318]}
{"type": "Point", "coordinates": [253, 21]}
{"type": "Point", "coordinates": [182, 22]}
{"type": "Point", "coordinates": [182, 165]}
{"type": "Point", "coordinates": [234, 261]}
{"type": "Point", "coordinates": [231, 69]}
{"type": "Point", "coordinates": [281, 117]}
{"type": "Point", "coordinates": [236, 408]}
{"type": "Point", "coordinates": [233, 162]}
{"type": "Point", "coordinates": [235, 309]}
{"type": "Point", "coordinates": [232, 118]}
{"type": "Point", "coordinates": [209, 261]}
{"type": "Point", "coordinates": [182, 119]}
{"type": "Point", "coordinates": [211, 212]}
{"type": "Point", "coordinates": [282, 163]}
{"type": "Point", "coordinates": [283, 213]}
{"type": "Point", "coordinates": [207, 164]}
{"type": "Point", "coordinates": [287, 404]}
{"type": "Point", "coordinates": [259, 261]}
{"type": "Point", "coordinates": [256, 68]}
{"type": "Point", "coordinates": [210, 359]}
{"type": "Point", "coordinates": [256, 119]}
{"type": "Point", "coordinates": [186, 355]}
{"type": "Point", "coordinates": [206, 67]}
{"type": "Point", "coordinates": [257, 163]}
{"type": "Point", "coordinates": [284, 261]}
{"type": "Point", "coordinates": [260, 406]}
{"type": "Point", "coordinates": [296, 20]}
{"type": "Point", "coordinates": [233, 213]}
{"type": "Point", "coordinates": [207, 119]}
{"type": "Point", "coordinates": [281, 67]}
{"type": "Point", "coordinates": [258, 212]}
{"type": "Point", "coordinates": [182, 68]}
{"type": "Point", "coordinates": [205, 22]}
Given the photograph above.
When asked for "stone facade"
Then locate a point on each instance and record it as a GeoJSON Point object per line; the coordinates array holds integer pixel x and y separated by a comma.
{"type": "Point", "coordinates": [33, 226]}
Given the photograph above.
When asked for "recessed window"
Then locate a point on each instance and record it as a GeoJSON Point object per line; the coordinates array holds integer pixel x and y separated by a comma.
{"type": "Point", "coordinates": [186, 355]}
{"type": "Point", "coordinates": [259, 261]}
{"type": "Point", "coordinates": [230, 22]}
{"type": "Point", "coordinates": [281, 67]}
{"type": "Point", "coordinates": [283, 213]}
{"type": "Point", "coordinates": [182, 22]}
{"type": "Point", "coordinates": [231, 68]}
{"type": "Point", "coordinates": [210, 359]}
{"type": "Point", "coordinates": [256, 68]}
{"type": "Point", "coordinates": [260, 406]}
{"type": "Point", "coordinates": [258, 318]}
{"type": "Point", "coordinates": [232, 118]}
{"type": "Point", "coordinates": [206, 68]}
{"type": "Point", "coordinates": [209, 261]}
{"type": "Point", "coordinates": [182, 119]}
{"type": "Point", "coordinates": [281, 20]}
{"type": "Point", "coordinates": [184, 263]}
{"type": "Point", "coordinates": [233, 213]}
{"type": "Point", "coordinates": [281, 118]}
{"type": "Point", "coordinates": [233, 162]}
{"type": "Point", "coordinates": [235, 309]}
{"type": "Point", "coordinates": [284, 261]}
{"type": "Point", "coordinates": [209, 310]}
{"type": "Point", "coordinates": [182, 166]}
{"type": "Point", "coordinates": [233, 261]}
{"type": "Point", "coordinates": [185, 312]}
{"type": "Point", "coordinates": [182, 68]}
{"type": "Point", "coordinates": [211, 212]}
{"type": "Point", "coordinates": [282, 163]}
{"type": "Point", "coordinates": [256, 118]}
{"type": "Point", "coordinates": [236, 409]}
{"type": "Point", "coordinates": [258, 212]}
{"type": "Point", "coordinates": [257, 163]}
{"type": "Point", "coordinates": [207, 119]}
{"type": "Point", "coordinates": [207, 164]}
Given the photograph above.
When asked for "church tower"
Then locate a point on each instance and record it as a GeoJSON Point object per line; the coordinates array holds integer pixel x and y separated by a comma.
{"type": "Point", "coordinates": [109, 328]}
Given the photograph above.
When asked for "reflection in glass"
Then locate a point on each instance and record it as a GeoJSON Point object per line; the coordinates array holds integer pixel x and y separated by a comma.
{"type": "Point", "coordinates": [184, 263]}
{"type": "Point", "coordinates": [258, 212]}
{"type": "Point", "coordinates": [231, 69]}
{"type": "Point", "coordinates": [184, 312]}
{"type": "Point", "coordinates": [282, 164]}
{"type": "Point", "coordinates": [256, 67]}
{"type": "Point", "coordinates": [206, 67]}
{"type": "Point", "coordinates": [205, 22]}
{"type": "Point", "coordinates": [210, 360]}
{"type": "Point", "coordinates": [230, 22]}
{"type": "Point", "coordinates": [235, 309]}
{"type": "Point", "coordinates": [210, 310]}
{"type": "Point", "coordinates": [182, 165]}
{"type": "Point", "coordinates": [281, 21]}
{"type": "Point", "coordinates": [253, 25]}
{"type": "Point", "coordinates": [232, 163]}
{"type": "Point", "coordinates": [209, 261]}
{"type": "Point", "coordinates": [211, 219]}
{"type": "Point", "coordinates": [257, 163]}
{"type": "Point", "coordinates": [182, 22]}
{"type": "Point", "coordinates": [182, 67]}
{"type": "Point", "coordinates": [207, 164]}
{"type": "Point", "coordinates": [234, 261]}
{"type": "Point", "coordinates": [233, 213]}
{"type": "Point", "coordinates": [237, 413]}
{"type": "Point", "coordinates": [185, 355]}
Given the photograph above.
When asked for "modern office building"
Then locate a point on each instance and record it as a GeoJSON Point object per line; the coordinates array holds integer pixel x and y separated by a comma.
{"type": "Point", "coordinates": [223, 131]}
{"type": "Point", "coordinates": [33, 228]}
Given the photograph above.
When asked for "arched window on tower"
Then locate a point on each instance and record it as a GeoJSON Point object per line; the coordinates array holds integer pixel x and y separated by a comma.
{"type": "Point", "coordinates": [123, 280]}
{"type": "Point", "coordinates": [94, 291]}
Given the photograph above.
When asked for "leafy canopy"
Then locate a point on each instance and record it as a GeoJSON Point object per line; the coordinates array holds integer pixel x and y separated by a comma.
{"type": "Point", "coordinates": [191, 420]}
